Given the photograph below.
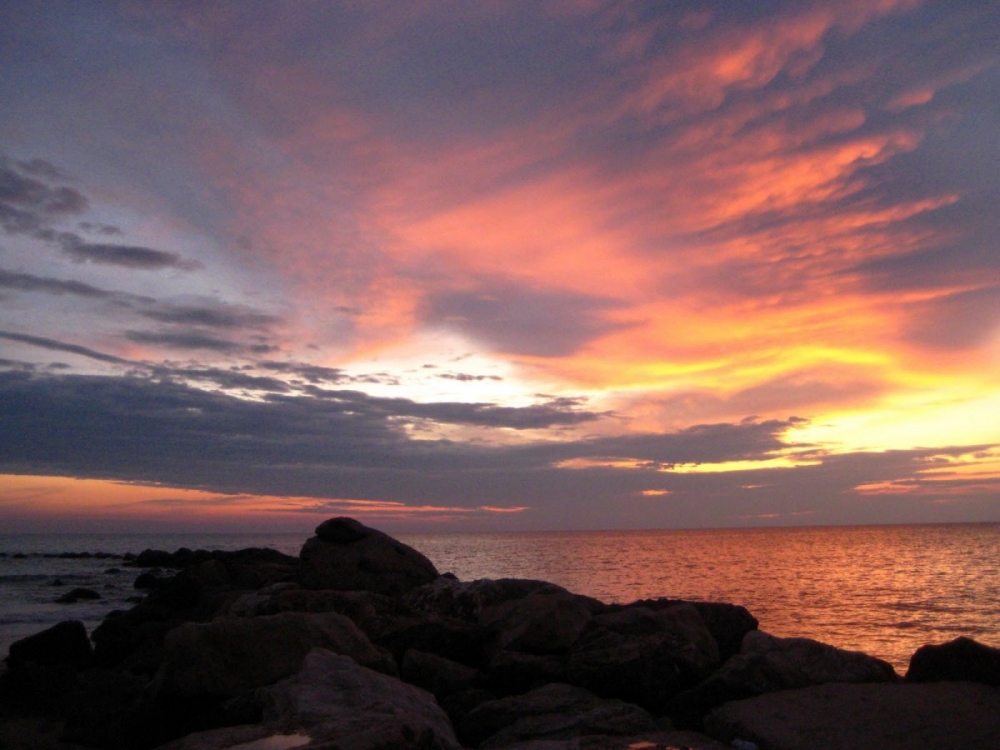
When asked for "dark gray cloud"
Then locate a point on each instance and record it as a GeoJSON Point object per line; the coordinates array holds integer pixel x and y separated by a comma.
{"type": "Point", "coordinates": [212, 316]}
{"type": "Point", "coordinates": [163, 430]}
{"type": "Point", "coordinates": [27, 204]}
{"type": "Point", "coordinates": [231, 380]}
{"type": "Point", "coordinates": [185, 340]}
{"type": "Point", "coordinates": [60, 346]}
{"type": "Point", "coordinates": [464, 377]}
{"type": "Point", "coordinates": [521, 320]}
{"type": "Point", "coordinates": [552, 413]}
{"type": "Point", "coordinates": [32, 207]}
{"type": "Point", "coordinates": [41, 168]}
{"type": "Point", "coordinates": [26, 282]}
{"type": "Point", "coordinates": [126, 256]}
{"type": "Point", "coordinates": [352, 446]}
{"type": "Point", "coordinates": [315, 374]}
{"type": "Point", "coordinates": [105, 229]}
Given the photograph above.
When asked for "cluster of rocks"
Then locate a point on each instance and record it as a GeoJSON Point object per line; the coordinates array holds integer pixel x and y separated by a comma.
{"type": "Point", "coordinates": [360, 644]}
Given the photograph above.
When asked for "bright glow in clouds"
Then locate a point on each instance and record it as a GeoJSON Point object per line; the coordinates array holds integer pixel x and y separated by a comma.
{"type": "Point", "coordinates": [579, 265]}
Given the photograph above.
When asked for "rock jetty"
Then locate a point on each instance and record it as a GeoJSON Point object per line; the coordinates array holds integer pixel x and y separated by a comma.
{"type": "Point", "coordinates": [359, 643]}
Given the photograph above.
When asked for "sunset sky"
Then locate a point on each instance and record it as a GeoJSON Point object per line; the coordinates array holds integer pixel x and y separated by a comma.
{"type": "Point", "coordinates": [499, 265]}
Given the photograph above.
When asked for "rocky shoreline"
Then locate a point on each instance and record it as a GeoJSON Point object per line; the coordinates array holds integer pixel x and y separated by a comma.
{"type": "Point", "coordinates": [360, 644]}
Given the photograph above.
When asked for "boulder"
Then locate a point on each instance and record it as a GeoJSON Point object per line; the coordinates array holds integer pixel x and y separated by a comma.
{"type": "Point", "coordinates": [374, 613]}
{"type": "Point", "coordinates": [243, 737]}
{"type": "Point", "coordinates": [874, 716]}
{"type": "Point", "coordinates": [347, 555]}
{"type": "Point", "coordinates": [465, 600]}
{"type": "Point", "coordinates": [960, 659]}
{"type": "Point", "coordinates": [667, 739]}
{"type": "Point", "coordinates": [453, 639]}
{"type": "Point", "coordinates": [767, 663]}
{"type": "Point", "coordinates": [457, 705]}
{"type": "Point", "coordinates": [63, 644]}
{"type": "Point", "coordinates": [436, 674]}
{"type": "Point", "coordinates": [513, 672]}
{"type": "Point", "coordinates": [542, 622]}
{"type": "Point", "coordinates": [148, 581]}
{"type": "Point", "coordinates": [231, 655]}
{"type": "Point", "coordinates": [207, 587]}
{"type": "Point", "coordinates": [334, 699]}
{"type": "Point", "coordinates": [109, 711]}
{"type": "Point", "coordinates": [727, 623]}
{"type": "Point", "coordinates": [642, 656]}
{"type": "Point", "coordinates": [260, 602]}
{"type": "Point", "coordinates": [553, 712]}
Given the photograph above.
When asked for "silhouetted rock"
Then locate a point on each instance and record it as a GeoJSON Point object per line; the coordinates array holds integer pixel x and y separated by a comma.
{"type": "Point", "coordinates": [960, 659]}
{"type": "Point", "coordinates": [78, 595]}
{"type": "Point", "coordinates": [642, 656]}
{"type": "Point", "coordinates": [453, 639]}
{"type": "Point", "coordinates": [110, 711]}
{"type": "Point", "coordinates": [541, 622]}
{"type": "Point", "coordinates": [457, 705]}
{"type": "Point", "coordinates": [878, 716]}
{"type": "Point", "coordinates": [42, 669]}
{"type": "Point", "coordinates": [727, 623]}
{"type": "Point", "coordinates": [148, 581]}
{"type": "Point", "coordinates": [63, 644]}
{"type": "Point", "coordinates": [552, 712]}
{"type": "Point", "coordinates": [466, 600]}
{"type": "Point", "coordinates": [134, 639]}
{"type": "Point", "coordinates": [347, 555]}
{"type": "Point", "coordinates": [232, 655]}
{"type": "Point", "coordinates": [436, 674]}
{"type": "Point", "coordinates": [767, 664]}
{"type": "Point", "coordinates": [333, 702]}
{"type": "Point", "coordinates": [514, 672]}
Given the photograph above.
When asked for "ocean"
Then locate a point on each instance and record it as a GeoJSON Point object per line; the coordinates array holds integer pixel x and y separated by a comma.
{"type": "Point", "coordinates": [884, 590]}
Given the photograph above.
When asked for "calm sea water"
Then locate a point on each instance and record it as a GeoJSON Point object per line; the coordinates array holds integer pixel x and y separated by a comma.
{"type": "Point", "coordinates": [885, 590]}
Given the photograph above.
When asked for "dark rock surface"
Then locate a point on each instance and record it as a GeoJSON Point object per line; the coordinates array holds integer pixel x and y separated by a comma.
{"type": "Point", "coordinates": [767, 664]}
{"type": "Point", "coordinates": [643, 656]}
{"type": "Point", "coordinates": [727, 623]}
{"type": "Point", "coordinates": [232, 655]}
{"type": "Point", "coordinates": [555, 711]}
{"type": "Point", "coordinates": [541, 622]}
{"type": "Point", "coordinates": [438, 675]}
{"type": "Point", "coordinates": [960, 659]}
{"type": "Point", "coordinates": [335, 703]}
{"type": "Point", "coordinates": [668, 739]}
{"type": "Point", "coordinates": [466, 600]}
{"type": "Point", "coordinates": [874, 716]}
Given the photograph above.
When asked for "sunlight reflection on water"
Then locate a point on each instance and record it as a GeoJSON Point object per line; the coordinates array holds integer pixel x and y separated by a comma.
{"type": "Point", "coordinates": [884, 590]}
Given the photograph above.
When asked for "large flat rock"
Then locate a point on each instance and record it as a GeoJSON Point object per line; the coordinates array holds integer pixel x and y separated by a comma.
{"type": "Point", "coordinates": [876, 716]}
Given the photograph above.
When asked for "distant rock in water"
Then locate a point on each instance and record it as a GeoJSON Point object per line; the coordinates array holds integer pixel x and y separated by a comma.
{"type": "Point", "coordinates": [76, 595]}
{"type": "Point", "coordinates": [187, 558]}
{"type": "Point", "coordinates": [348, 556]}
